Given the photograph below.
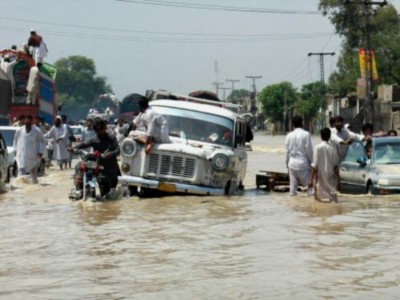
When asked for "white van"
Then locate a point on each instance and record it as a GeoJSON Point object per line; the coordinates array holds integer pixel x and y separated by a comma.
{"type": "Point", "coordinates": [206, 156]}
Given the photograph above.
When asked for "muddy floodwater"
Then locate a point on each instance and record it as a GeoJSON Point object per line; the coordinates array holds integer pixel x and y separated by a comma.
{"type": "Point", "coordinates": [255, 246]}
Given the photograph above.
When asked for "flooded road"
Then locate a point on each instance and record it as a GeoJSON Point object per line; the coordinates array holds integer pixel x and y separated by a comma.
{"type": "Point", "coordinates": [255, 246]}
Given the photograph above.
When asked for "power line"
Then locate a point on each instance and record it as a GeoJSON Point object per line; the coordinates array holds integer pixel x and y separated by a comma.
{"type": "Point", "coordinates": [221, 7]}
{"type": "Point", "coordinates": [290, 35]}
{"type": "Point", "coordinates": [83, 35]}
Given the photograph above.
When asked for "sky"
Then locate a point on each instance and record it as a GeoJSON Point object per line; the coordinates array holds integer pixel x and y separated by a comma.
{"type": "Point", "coordinates": [181, 45]}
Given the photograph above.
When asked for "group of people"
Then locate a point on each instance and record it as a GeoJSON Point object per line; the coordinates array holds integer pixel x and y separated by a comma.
{"type": "Point", "coordinates": [33, 138]}
{"type": "Point", "coordinates": [318, 168]}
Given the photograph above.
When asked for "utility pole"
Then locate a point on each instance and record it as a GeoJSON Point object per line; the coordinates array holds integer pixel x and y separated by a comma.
{"type": "Point", "coordinates": [322, 69]}
{"type": "Point", "coordinates": [368, 103]}
{"type": "Point", "coordinates": [253, 108]}
{"type": "Point", "coordinates": [224, 94]}
{"type": "Point", "coordinates": [233, 83]}
{"type": "Point", "coordinates": [217, 85]}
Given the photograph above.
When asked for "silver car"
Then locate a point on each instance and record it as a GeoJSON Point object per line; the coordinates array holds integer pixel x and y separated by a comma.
{"type": "Point", "coordinates": [375, 170]}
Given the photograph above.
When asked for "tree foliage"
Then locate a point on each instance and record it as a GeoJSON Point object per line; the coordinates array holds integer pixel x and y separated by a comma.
{"type": "Point", "coordinates": [310, 100]}
{"type": "Point", "coordinates": [78, 84]}
{"type": "Point", "coordinates": [350, 21]}
{"type": "Point", "coordinates": [238, 94]}
{"type": "Point", "coordinates": [273, 98]}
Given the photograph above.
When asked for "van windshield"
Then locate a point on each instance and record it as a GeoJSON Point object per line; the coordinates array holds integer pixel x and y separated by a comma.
{"type": "Point", "coordinates": [197, 126]}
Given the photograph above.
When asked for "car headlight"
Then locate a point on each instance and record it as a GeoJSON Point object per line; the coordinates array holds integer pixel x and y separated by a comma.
{"type": "Point", "coordinates": [383, 181]}
{"type": "Point", "coordinates": [220, 162]}
{"type": "Point", "coordinates": [129, 148]}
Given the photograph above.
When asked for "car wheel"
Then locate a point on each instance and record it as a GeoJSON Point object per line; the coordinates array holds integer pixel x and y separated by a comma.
{"type": "Point", "coordinates": [8, 179]}
{"type": "Point", "coordinates": [14, 169]}
{"type": "Point", "coordinates": [370, 188]}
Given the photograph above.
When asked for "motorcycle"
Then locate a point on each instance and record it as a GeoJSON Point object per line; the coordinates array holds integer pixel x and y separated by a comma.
{"type": "Point", "coordinates": [88, 178]}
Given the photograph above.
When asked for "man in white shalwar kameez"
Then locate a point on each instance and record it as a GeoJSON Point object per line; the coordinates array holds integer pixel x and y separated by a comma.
{"type": "Point", "coordinates": [58, 133]}
{"type": "Point", "coordinates": [299, 156]}
{"type": "Point", "coordinates": [341, 138]}
{"type": "Point", "coordinates": [30, 145]}
{"type": "Point", "coordinates": [325, 175]}
{"type": "Point", "coordinates": [32, 85]}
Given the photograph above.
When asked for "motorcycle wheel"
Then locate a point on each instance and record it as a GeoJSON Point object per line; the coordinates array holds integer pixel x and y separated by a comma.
{"type": "Point", "coordinates": [92, 192]}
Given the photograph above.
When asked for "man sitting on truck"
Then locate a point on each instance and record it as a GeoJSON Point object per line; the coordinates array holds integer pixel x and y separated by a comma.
{"type": "Point", "coordinates": [155, 124]}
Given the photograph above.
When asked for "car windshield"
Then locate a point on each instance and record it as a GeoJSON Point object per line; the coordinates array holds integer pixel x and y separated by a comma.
{"type": "Point", "coordinates": [387, 153]}
{"type": "Point", "coordinates": [197, 126]}
{"type": "Point", "coordinates": [8, 135]}
{"type": "Point", "coordinates": [76, 130]}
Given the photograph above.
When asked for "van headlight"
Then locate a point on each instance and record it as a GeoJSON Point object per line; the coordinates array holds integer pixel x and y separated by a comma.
{"type": "Point", "coordinates": [129, 148]}
{"type": "Point", "coordinates": [220, 162]}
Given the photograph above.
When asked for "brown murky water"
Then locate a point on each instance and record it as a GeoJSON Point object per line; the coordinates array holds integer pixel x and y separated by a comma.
{"type": "Point", "coordinates": [255, 246]}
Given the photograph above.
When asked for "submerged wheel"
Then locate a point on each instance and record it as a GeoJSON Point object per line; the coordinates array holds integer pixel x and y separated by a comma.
{"type": "Point", "coordinates": [143, 192]}
{"type": "Point", "coordinates": [14, 172]}
{"type": "Point", "coordinates": [92, 192]}
{"type": "Point", "coordinates": [370, 188]}
{"type": "Point", "coordinates": [8, 179]}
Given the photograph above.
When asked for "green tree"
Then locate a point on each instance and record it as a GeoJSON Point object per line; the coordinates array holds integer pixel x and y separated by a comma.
{"type": "Point", "coordinates": [273, 98]}
{"type": "Point", "coordinates": [310, 101]}
{"type": "Point", "coordinates": [238, 94]}
{"type": "Point", "coordinates": [78, 84]}
{"type": "Point", "coordinates": [383, 28]}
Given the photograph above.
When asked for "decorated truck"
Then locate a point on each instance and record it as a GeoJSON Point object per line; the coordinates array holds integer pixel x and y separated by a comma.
{"type": "Point", "coordinates": [13, 107]}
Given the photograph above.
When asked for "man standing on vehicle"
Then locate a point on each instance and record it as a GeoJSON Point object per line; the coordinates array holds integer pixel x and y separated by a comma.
{"type": "Point", "coordinates": [107, 144]}
{"type": "Point", "coordinates": [29, 144]}
{"type": "Point", "coordinates": [37, 47]}
{"type": "Point", "coordinates": [325, 175]}
{"type": "Point", "coordinates": [299, 156]}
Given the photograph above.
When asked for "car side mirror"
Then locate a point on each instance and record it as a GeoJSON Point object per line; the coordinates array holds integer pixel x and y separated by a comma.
{"type": "Point", "coordinates": [362, 161]}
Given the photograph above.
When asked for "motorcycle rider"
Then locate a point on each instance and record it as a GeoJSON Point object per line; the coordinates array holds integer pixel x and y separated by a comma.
{"type": "Point", "coordinates": [107, 144]}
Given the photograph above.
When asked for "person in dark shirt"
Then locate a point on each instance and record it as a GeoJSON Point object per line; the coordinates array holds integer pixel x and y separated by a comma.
{"type": "Point", "coordinates": [107, 144]}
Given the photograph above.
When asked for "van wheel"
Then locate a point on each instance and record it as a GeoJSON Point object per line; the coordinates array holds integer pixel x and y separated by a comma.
{"type": "Point", "coordinates": [143, 192]}
{"type": "Point", "coordinates": [133, 190]}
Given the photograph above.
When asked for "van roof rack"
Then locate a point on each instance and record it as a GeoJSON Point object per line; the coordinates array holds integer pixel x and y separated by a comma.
{"type": "Point", "coordinates": [174, 96]}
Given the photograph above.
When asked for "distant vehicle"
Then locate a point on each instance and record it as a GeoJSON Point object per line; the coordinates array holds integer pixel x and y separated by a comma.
{"type": "Point", "coordinates": [77, 132]}
{"type": "Point", "coordinates": [46, 99]}
{"type": "Point", "coordinates": [377, 174]}
{"type": "Point", "coordinates": [8, 133]}
{"type": "Point", "coordinates": [206, 156]}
